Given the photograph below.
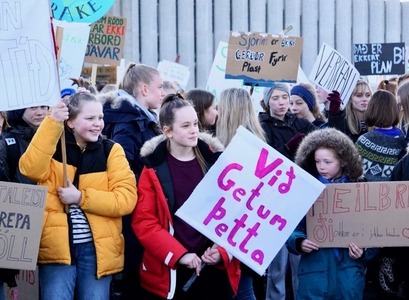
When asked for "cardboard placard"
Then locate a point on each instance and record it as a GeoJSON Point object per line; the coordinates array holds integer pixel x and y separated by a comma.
{"type": "Point", "coordinates": [261, 58]}
{"type": "Point", "coordinates": [28, 68]}
{"type": "Point", "coordinates": [380, 59]}
{"type": "Point", "coordinates": [106, 41]}
{"type": "Point", "coordinates": [21, 219]}
{"type": "Point", "coordinates": [332, 71]}
{"type": "Point", "coordinates": [369, 214]}
{"type": "Point", "coordinates": [255, 203]}
{"type": "Point", "coordinates": [216, 83]}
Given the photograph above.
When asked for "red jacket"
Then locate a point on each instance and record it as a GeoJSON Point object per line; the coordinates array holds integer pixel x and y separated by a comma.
{"type": "Point", "coordinates": [153, 225]}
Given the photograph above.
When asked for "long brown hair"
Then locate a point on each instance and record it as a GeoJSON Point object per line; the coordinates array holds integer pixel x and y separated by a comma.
{"type": "Point", "coordinates": [171, 103]}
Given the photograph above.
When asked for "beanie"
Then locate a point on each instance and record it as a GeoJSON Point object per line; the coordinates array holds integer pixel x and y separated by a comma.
{"type": "Point", "coordinates": [269, 91]}
{"type": "Point", "coordinates": [304, 94]}
{"type": "Point", "coordinates": [67, 92]}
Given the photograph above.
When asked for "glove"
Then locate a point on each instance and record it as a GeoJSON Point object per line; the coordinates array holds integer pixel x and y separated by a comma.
{"type": "Point", "coordinates": [335, 101]}
{"type": "Point", "coordinates": [294, 142]}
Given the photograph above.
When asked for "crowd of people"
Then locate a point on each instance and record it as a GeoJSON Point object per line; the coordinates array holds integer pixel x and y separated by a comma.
{"type": "Point", "coordinates": [134, 153]}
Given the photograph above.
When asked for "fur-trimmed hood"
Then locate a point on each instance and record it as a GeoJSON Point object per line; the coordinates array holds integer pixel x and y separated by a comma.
{"type": "Point", "coordinates": [120, 107]}
{"type": "Point", "coordinates": [154, 151]}
{"type": "Point", "coordinates": [333, 139]}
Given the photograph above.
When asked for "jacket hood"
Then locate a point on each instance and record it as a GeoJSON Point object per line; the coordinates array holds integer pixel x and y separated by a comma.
{"type": "Point", "coordinates": [120, 108]}
{"type": "Point", "coordinates": [150, 146]}
{"type": "Point", "coordinates": [333, 139]}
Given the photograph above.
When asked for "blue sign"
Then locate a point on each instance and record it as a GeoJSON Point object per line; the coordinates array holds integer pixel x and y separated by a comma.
{"type": "Point", "coordinates": [81, 11]}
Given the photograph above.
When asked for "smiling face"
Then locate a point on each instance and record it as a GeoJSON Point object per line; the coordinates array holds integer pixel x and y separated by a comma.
{"type": "Point", "coordinates": [327, 163]}
{"type": "Point", "coordinates": [185, 128]}
{"type": "Point", "coordinates": [88, 124]}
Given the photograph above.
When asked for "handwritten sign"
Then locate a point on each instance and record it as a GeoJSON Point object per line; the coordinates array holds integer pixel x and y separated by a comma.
{"type": "Point", "coordinates": [332, 71]}
{"type": "Point", "coordinates": [380, 59]}
{"type": "Point", "coordinates": [255, 203]}
{"type": "Point", "coordinates": [28, 69]}
{"type": "Point", "coordinates": [370, 214]}
{"type": "Point", "coordinates": [74, 44]}
{"type": "Point", "coordinates": [261, 58]}
{"type": "Point", "coordinates": [216, 83]}
{"type": "Point", "coordinates": [106, 41]}
{"type": "Point", "coordinates": [81, 11]}
{"type": "Point", "coordinates": [174, 72]}
{"type": "Point", "coordinates": [27, 284]}
{"type": "Point", "coordinates": [21, 219]}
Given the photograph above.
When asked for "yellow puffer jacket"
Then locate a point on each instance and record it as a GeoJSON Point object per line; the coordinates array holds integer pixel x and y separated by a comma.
{"type": "Point", "coordinates": [108, 193]}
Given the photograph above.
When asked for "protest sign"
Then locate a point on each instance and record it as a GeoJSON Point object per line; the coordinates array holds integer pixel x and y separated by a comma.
{"type": "Point", "coordinates": [261, 58]}
{"type": "Point", "coordinates": [172, 71]}
{"type": "Point", "coordinates": [74, 43]}
{"type": "Point", "coordinates": [106, 41]}
{"type": "Point", "coordinates": [380, 59]}
{"type": "Point", "coordinates": [216, 83]}
{"type": "Point", "coordinates": [28, 68]}
{"type": "Point", "coordinates": [250, 204]}
{"type": "Point", "coordinates": [21, 219]}
{"type": "Point", "coordinates": [369, 214]}
{"type": "Point", "coordinates": [332, 71]}
{"type": "Point", "coordinates": [81, 11]}
{"type": "Point", "coordinates": [27, 284]}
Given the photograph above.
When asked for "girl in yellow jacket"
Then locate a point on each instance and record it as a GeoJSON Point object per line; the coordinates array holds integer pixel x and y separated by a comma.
{"type": "Point", "coordinates": [81, 242]}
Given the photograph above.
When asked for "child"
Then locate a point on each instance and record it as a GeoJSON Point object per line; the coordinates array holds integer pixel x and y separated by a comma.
{"type": "Point", "coordinates": [206, 108]}
{"type": "Point", "coordinates": [100, 190]}
{"type": "Point", "coordinates": [175, 163]}
{"type": "Point", "coordinates": [303, 104]}
{"type": "Point", "coordinates": [329, 273]}
{"type": "Point", "coordinates": [382, 147]}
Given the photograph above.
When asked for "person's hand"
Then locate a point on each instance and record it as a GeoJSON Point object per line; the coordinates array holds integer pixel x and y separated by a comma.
{"type": "Point", "coordinates": [69, 194]}
{"type": "Point", "coordinates": [308, 246]}
{"type": "Point", "coordinates": [59, 112]}
{"type": "Point", "coordinates": [294, 142]}
{"type": "Point", "coordinates": [335, 101]}
{"type": "Point", "coordinates": [355, 252]}
{"type": "Point", "coordinates": [192, 261]}
{"type": "Point", "coordinates": [211, 256]}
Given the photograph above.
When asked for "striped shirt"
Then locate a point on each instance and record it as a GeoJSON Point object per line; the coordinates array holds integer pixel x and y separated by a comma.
{"type": "Point", "coordinates": [81, 232]}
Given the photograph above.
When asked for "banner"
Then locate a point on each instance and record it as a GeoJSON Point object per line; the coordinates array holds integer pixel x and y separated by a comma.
{"type": "Point", "coordinates": [261, 58]}
{"type": "Point", "coordinates": [255, 200]}
{"type": "Point", "coordinates": [106, 41]}
{"type": "Point", "coordinates": [21, 220]}
{"type": "Point", "coordinates": [81, 11]}
{"type": "Point", "coordinates": [332, 71]}
{"type": "Point", "coordinates": [369, 214]}
{"type": "Point", "coordinates": [380, 59]}
{"type": "Point", "coordinates": [28, 69]}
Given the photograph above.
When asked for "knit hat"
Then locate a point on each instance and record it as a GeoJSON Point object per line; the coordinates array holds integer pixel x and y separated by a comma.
{"type": "Point", "coordinates": [67, 92]}
{"type": "Point", "coordinates": [304, 94]}
{"type": "Point", "coordinates": [269, 91]}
